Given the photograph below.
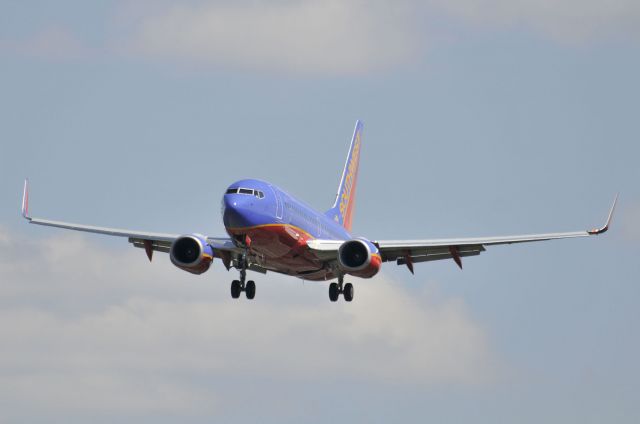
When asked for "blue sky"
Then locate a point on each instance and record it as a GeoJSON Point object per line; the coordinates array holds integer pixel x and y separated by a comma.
{"type": "Point", "coordinates": [481, 118]}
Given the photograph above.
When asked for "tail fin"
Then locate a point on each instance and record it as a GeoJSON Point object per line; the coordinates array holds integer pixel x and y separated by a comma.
{"type": "Point", "coordinates": [342, 210]}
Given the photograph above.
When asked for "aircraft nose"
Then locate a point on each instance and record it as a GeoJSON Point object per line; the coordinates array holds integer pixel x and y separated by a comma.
{"type": "Point", "coordinates": [236, 211]}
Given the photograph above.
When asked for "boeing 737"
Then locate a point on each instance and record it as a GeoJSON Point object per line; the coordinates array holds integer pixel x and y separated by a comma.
{"type": "Point", "coordinates": [270, 230]}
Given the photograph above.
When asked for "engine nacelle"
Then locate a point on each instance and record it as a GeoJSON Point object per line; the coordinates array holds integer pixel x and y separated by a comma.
{"type": "Point", "coordinates": [359, 257]}
{"type": "Point", "coordinates": [191, 253]}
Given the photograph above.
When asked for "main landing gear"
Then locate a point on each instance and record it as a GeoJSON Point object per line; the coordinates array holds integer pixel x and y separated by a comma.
{"type": "Point", "coordinates": [249, 288]}
{"type": "Point", "coordinates": [239, 286]}
{"type": "Point", "coordinates": [336, 289]}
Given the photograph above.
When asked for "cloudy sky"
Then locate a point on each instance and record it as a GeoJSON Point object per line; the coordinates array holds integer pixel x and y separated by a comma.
{"type": "Point", "coordinates": [482, 117]}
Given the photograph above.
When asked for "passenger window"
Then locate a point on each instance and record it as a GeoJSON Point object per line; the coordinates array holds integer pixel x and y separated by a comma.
{"type": "Point", "coordinates": [232, 191]}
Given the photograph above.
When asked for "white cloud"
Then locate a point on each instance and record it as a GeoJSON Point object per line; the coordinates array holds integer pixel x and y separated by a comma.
{"type": "Point", "coordinates": [355, 36]}
{"type": "Point", "coordinates": [325, 37]}
{"type": "Point", "coordinates": [308, 36]}
{"type": "Point", "coordinates": [562, 20]}
{"type": "Point", "coordinates": [85, 325]}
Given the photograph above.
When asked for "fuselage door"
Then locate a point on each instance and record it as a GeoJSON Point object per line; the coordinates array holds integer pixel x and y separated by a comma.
{"type": "Point", "coordinates": [278, 197]}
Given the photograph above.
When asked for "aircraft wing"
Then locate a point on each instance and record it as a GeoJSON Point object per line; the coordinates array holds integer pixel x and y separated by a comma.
{"type": "Point", "coordinates": [149, 241]}
{"type": "Point", "coordinates": [409, 252]}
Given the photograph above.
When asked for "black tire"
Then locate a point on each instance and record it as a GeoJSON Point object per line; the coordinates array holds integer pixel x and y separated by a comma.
{"type": "Point", "coordinates": [333, 292]}
{"type": "Point", "coordinates": [250, 289]}
{"type": "Point", "coordinates": [348, 292]}
{"type": "Point", "coordinates": [235, 289]}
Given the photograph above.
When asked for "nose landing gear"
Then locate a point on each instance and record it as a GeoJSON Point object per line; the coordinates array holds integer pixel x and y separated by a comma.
{"type": "Point", "coordinates": [239, 286]}
{"type": "Point", "coordinates": [336, 289]}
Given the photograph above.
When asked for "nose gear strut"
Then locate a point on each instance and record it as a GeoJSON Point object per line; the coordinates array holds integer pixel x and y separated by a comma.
{"type": "Point", "coordinates": [239, 286]}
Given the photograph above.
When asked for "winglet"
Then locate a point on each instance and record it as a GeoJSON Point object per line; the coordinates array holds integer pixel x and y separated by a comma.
{"type": "Point", "coordinates": [25, 200]}
{"type": "Point", "coordinates": [604, 229]}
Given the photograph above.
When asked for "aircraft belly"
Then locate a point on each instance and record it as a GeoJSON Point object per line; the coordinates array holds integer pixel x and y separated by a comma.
{"type": "Point", "coordinates": [281, 248]}
{"type": "Point", "coordinates": [269, 243]}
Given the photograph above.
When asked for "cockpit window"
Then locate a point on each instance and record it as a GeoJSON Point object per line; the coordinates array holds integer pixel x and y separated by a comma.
{"type": "Point", "coordinates": [251, 192]}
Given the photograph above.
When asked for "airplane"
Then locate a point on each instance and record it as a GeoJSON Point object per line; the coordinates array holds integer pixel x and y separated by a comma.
{"type": "Point", "coordinates": [269, 230]}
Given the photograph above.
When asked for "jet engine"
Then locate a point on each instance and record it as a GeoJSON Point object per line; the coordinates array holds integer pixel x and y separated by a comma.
{"type": "Point", "coordinates": [191, 253]}
{"type": "Point", "coordinates": [359, 257]}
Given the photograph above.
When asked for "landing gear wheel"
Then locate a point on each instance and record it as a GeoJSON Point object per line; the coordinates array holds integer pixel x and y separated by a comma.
{"type": "Point", "coordinates": [334, 292]}
{"type": "Point", "coordinates": [235, 289]}
{"type": "Point", "coordinates": [348, 292]}
{"type": "Point", "coordinates": [250, 289]}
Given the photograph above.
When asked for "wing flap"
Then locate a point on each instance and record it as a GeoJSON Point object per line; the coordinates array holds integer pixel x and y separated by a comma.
{"type": "Point", "coordinates": [158, 246]}
{"type": "Point", "coordinates": [431, 254]}
{"type": "Point", "coordinates": [436, 257]}
{"type": "Point", "coordinates": [408, 252]}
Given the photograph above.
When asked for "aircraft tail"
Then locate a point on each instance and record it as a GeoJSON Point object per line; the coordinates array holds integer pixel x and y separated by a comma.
{"type": "Point", "coordinates": [342, 210]}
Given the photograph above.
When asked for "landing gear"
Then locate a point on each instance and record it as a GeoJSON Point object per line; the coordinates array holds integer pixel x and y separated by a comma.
{"type": "Point", "coordinates": [250, 289]}
{"type": "Point", "coordinates": [239, 286]}
{"type": "Point", "coordinates": [336, 289]}
{"type": "Point", "coordinates": [334, 292]}
{"type": "Point", "coordinates": [236, 288]}
{"type": "Point", "coordinates": [347, 292]}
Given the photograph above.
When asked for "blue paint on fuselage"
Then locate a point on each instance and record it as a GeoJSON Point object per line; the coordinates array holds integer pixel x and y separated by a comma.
{"type": "Point", "coordinates": [276, 207]}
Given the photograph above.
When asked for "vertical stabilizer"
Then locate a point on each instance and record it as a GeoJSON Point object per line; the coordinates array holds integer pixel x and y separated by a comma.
{"type": "Point", "coordinates": [342, 210]}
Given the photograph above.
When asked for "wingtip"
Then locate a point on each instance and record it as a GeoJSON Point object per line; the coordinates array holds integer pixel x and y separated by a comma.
{"type": "Point", "coordinates": [605, 228]}
{"type": "Point", "coordinates": [25, 200]}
